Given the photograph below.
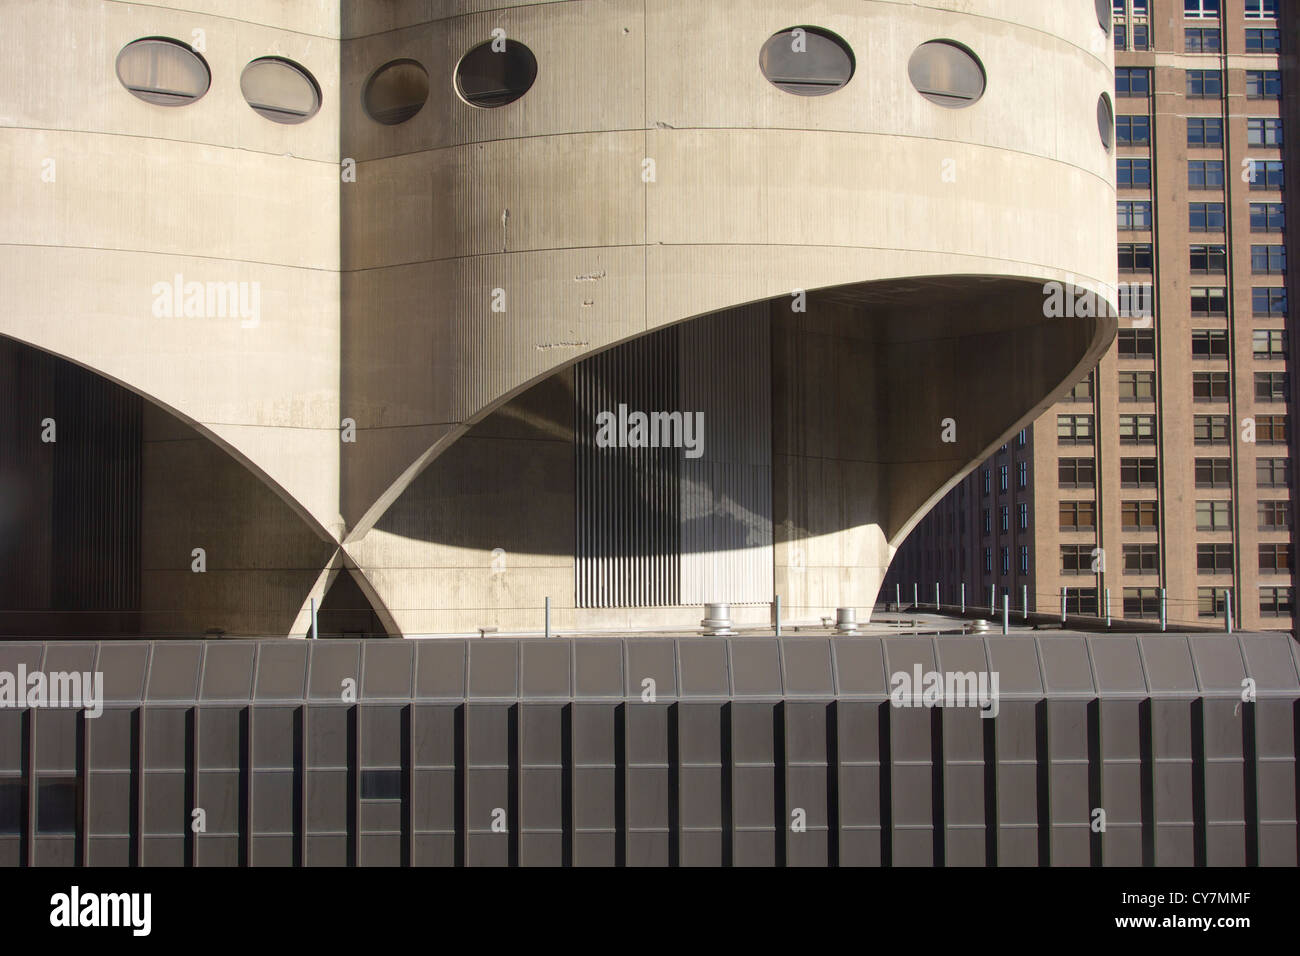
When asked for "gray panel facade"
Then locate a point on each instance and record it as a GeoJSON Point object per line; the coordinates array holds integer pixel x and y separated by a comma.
{"type": "Point", "coordinates": [1104, 750]}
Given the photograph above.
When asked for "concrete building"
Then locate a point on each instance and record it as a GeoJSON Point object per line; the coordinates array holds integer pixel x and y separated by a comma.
{"type": "Point", "coordinates": [356, 304]}
{"type": "Point", "coordinates": [1170, 466]}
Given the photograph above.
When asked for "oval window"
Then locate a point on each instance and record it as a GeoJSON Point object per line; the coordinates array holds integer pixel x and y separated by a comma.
{"type": "Point", "coordinates": [1103, 14]}
{"type": "Point", "coordinates": [280, 90]}
{"type": "Point", "coordinates": [490, 78]}
{"type": "Point", "coordinates": [1105, 120]}
{"type": "Point", "coordinates": [946, 73]}
{"type": "Point", "coordinates": [806, 61]}
{"type": "Point", "coordinates": [163, 72]}
{"type": "Point", "coordinates": [396, 91]}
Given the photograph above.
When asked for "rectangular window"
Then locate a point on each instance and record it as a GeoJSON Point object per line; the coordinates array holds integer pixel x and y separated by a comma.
{"type": "Point", "coordinates": [1137, 429]}
{"type": "Point", "coordinates": [1133, 216]}
{"type": "Point", "coordinates": [1076, 559]}
{"type": "Point", "coordinates": [1214, 559]}
{"type": "Point", "coordinates": [1209, 260]}
{"type": "Point", "coordinates": [1022, 474]}
{"type": "Point", "coordinates": [988, 560]}
{"type": "Point", "coordinates": [1270, 429]}
{"type": "Point", "coordinates": [1268, 260]}
{"type": "Point", "coordinates": [1209, 301]}
{"type": "Point", "coordinates": [1269, 343]}
{"type": "Point", "coordinates": [1265, 175]}
{"type": "Point", "coordinates": [1274, 515]}
{"type": "Point", "coordinates": [1138, 343]}
{"type": "Point", "coordinates": [1263, 41]}
{"type": "Point", "coordinates": [1202, 174]}
{"type": "Point", "coordinates": [1142, 602]}
{"type": "Point", "coordinates": [1141, 36]}
{"type": "Point", "coordinates": [1213, 472]}
{"type": "Point", "coordinates": [1204, 84]}
{"type": "Point", "coordinates": [1141, 559]}
{"type": "Point", "coordinates": [1261, 9]}
{"type": "Point", "coordinates": [1137, 386]}
{"type": "Point", "coordinates": [1213, 516]}
{"type": "Point", "coordinates": [1136, 257]}
{"type": "Point", "coordinates": [1078, 515]}
{"type": "Point", "coordinates": [1267, 217]}
{"type": "Point", "coordinates": [1132, 81]}
{"type": "Point", "coordinates": [1212, 602]}
{"type": "Point", "coordinates": [988, 521]}
{"type": "Point", "coordinates": [1270, 302]}
{"type": "Point", "coordinates": [1264, 132]}
{"type": "Point", "coordinates": [1121, 36]}
{"type": "Point", "coordinates": [1024, 559]}
{"type": "Point", "coordinates": [1201, 40]}
{"type": "Point", "coordinates": [1275, 602]}
{"type": "Point", "coordinates": [1081, 601]}
{"type": "Point", "coordinates": [1004, 556]}
{"type": "Point", "coordinates": [1139, 516]}
{"type": "Point", "coordinates": [58, 804]}
{"type": "Point", "coordinates": [1210, 429]}
{"type": "Point", "coordinates": [1201, 9]}
{"type": "Point", "coordinates": [1004, 519]}
{"type": "Point", "coordinates": [1272, 473]}
{"type": "Point", "coordinates": [1004, 478]}
{"type": "Point", "coordinates": [988, 481]}
{"type": "Point", "coordinates": [1210, 386]}
{"type": "Point", "coordinates": [1022, 516]}
{"type": "Point", "coordinates": [1263, 85]}
{"type": "Point", "coordinates": [1133, 130]}
{"type": "Point", "coordinates": [1137, 472]}
{"type": "Point", "coordinates": [1077, 472]}
{"type": "Point", "coordinates": [1134, 173]}
{"type": "Point", "coordinates": [1275, 559]}
{"type": "Point", "coordinates": [1203, 131]}
{"type": "Point", "coordinates": [1074, 429]}
{"type": "Point", "coordinates": [1205, 217]}
{"type": "Point", "coordinates": [1082, 391]}
{"type": "Point", "coordinates": [1271, 386]}
{"type": "Point", "coordinates": [1209, 343]}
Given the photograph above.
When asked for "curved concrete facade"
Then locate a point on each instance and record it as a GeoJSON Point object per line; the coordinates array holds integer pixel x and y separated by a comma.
{"type": "Point", "coordinates": [464, 259]}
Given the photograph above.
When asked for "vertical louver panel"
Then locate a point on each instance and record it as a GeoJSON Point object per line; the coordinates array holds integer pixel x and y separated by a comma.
{"type": "Point", "coordinates": [727, 491]}
{"type": "Point", "coordinates": [627, 498]}
{"type": "Point", "coordinates": [70, 515]}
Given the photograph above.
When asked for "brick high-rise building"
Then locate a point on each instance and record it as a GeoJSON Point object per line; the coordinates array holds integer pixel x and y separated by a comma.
{"type": "Point", "coordinates": [1170, 465]}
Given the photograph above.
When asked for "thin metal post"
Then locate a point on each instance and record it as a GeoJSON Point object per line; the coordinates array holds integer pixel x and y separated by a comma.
{"type": "Point", "coordinates": [1227, 610]}
{"type": "Point", "coordinates": [1065, 599]}
{"type": "Point", "coordinates": [1107, 607]}
{"type": "Point", "coordinates": [1164, 611]}
{"type": "Point", "coordinates": [898, 597]}
{"type": "Point", "coordinates": [916, 600]}
{"type": "Point", "coordinates": [548, 617]}
{"type": "Point", "coordinates": [778, 615]}
{"type": "Point", "coordinates": [1024, 601]}
{"type": "Point", "coordinates": [1006, 614]}
{"type": "Point", "coordinates": [963, 597]}
{"type": "Point", "coordinates": [993, 599]}
{"type": "Point", "coordinates": [315, 633]}
{"type": "Point", "coordinates": [936, 595]}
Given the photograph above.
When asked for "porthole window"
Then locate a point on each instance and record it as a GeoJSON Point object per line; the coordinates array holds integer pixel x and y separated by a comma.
{"type": "Point", "coordinates": [490, 78]}
{"type": "Point", "coordinates": [280, 90]}
{"type": "Point", "coordinates": [1103, 14]}
{"type": "Point", "coordinates": [163, 72]}
{"type": "Point", "coordinates": [946, 73]}
{"type": "Point", "coordinates": [1105, 121]}
{"type": "Point", "coordinates": [806, 61]}
{"type": "Point", "coordinates": [396, 91]}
